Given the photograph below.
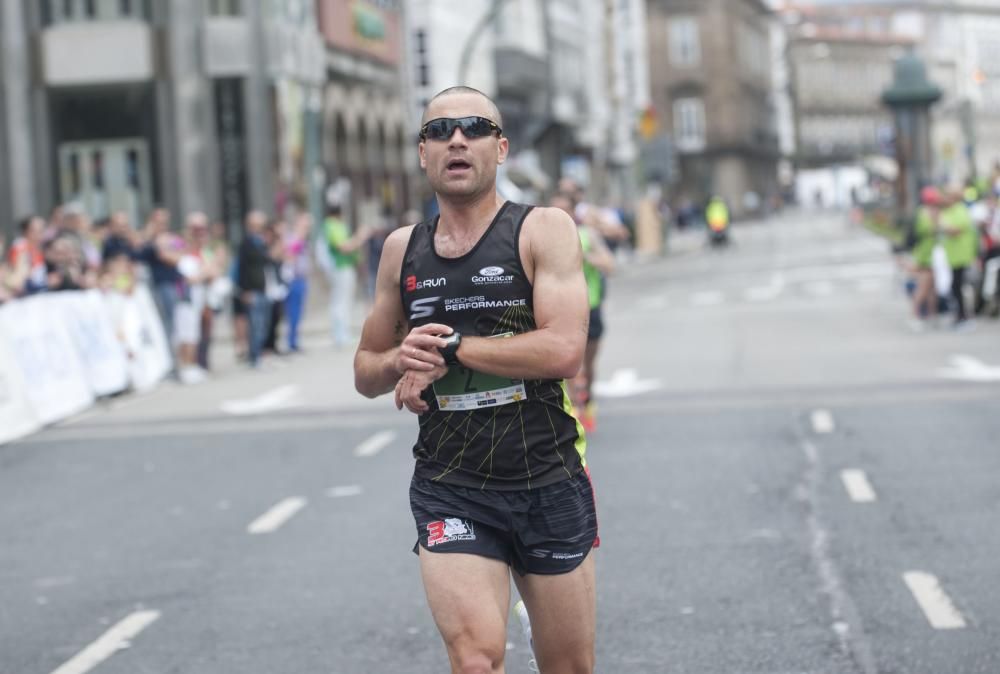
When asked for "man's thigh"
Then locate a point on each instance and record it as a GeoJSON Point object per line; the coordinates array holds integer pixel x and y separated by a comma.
{"type": "Point", "coordinates": [469, 597]}
{"type": "Point", "coordinates": [562, 608]}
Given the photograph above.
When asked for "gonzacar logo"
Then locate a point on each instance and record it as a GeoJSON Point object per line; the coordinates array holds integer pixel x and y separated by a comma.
{"type": "Point", "coordinates": [492, 276]}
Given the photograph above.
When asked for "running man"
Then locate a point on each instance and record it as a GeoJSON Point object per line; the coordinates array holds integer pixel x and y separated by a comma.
{"type": "Point", "coordinates": [480, 315]}
{"type": "Point", "coordinates": [598, 263]}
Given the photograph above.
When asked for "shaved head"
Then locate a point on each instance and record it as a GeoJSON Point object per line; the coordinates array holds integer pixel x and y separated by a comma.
{"type": "Point", "coordinates": [494, 112]}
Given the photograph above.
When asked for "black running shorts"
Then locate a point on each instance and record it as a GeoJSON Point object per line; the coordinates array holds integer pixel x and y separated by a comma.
{"type": "Point", "coordinates": [548, 530]}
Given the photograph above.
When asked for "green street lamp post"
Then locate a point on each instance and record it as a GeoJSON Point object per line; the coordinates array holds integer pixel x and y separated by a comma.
{"type": "Point", "coordinates": [910, 97]}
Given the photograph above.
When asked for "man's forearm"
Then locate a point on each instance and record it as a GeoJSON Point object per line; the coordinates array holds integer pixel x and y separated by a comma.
{"type": "Point", "coordinates": [539, 354]}
{"type": "Point", "coordinates": [375, 373]}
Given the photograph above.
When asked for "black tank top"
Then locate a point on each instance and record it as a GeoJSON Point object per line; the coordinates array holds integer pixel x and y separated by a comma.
{"type": "Point", "coordinates": [481, 430]}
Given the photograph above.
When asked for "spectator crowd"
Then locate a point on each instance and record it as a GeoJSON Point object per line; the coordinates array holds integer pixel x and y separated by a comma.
{"type": "Point", "coordinates": [193, 274]}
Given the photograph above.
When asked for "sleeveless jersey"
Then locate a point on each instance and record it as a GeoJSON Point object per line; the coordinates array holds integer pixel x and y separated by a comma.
{"type": "Point", "coordinates": [485, 431]}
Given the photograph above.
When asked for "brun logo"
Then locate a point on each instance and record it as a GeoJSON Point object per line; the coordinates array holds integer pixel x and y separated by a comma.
{"type": "Point", "coordinates": [413, 284]}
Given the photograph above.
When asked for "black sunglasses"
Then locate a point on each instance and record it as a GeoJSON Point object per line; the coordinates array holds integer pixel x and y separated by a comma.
{"type": "Point", "coordinates": [442, 128]}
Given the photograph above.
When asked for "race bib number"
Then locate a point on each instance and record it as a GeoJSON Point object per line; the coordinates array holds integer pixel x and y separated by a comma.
{"type": "Point", "coordinates": [464, 389]}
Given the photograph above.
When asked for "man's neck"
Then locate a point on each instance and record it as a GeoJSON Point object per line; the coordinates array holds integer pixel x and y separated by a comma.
{"type": "Point", "coordinates": [466, 217]}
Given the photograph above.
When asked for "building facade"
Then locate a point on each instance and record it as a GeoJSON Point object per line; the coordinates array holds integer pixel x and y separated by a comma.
{"type": "Point", "coordinates": [368, 138]}
{"type": "Point", "coordinates": [710, 68]}
{"type": "Point", "coordinates": [131, 103]}
{"type": "Point", "coordinates": [959, 40]}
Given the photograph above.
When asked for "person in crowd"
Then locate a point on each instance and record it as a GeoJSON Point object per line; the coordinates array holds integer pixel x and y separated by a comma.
{"type": "Point", "coordinates": [373, 250]}
{"type": "Point", "coordinates": [988, 288]}
{"type": "Point", "coordinates": [26, 253]}
{"type": "Point", "coordinates": [344, 247]}
{"type": "Point", "coordinates": [121, 237]}
{"type": "Point", "coordinates": [161, 253]}
{"type": "Point", "coordinates": [11, 280]}
{"type": "Point", "coordinates": [219, 287]}
{"type": "Point", "coordinates": [77, 227]}
{"type": "Point", "coordinates": [959, 241]}
{"type": "Point", "coordinates": [925, 238]}
{"type": "Point", "coordinates": [252, 283]}
{"type": "Point", "coordinates": [198, 271]}
{"type": "Point", "coordinates": [64, 266]}
{"type": "Point", "coordinates": [275, 284]}
{"type": "Point", "coordinates": [297, 265]}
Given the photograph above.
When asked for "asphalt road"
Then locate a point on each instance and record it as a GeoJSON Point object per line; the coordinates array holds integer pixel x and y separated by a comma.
{"type": "Point", "coordinates": [789, 481]}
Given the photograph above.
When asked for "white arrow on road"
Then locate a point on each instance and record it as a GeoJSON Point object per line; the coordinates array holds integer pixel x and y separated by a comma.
{"type": "Point", "coordinates": [280, 398]}
{"type": "Point", "coordinates": [967, 368]}
{"type": "Point", "coordinates": [625, 383]}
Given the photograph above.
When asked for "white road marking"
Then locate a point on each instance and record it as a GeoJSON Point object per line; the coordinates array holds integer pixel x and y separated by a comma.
{"type": "Point", "coordinates": [277, 515]}
{"type": "Point", "coordinates": [822, 421]}
{"type": "Point", "coordinates": [819, 288]}
{"type": "Point", "coordinates": [375, 443]}
{"type": "Point", "coordinates": [280, 398]}
{"type": "Point", "coordinates": [707, 298]}
{"type": "Point", "coordinates": [936, 605]}
{"type": "Point", "coordinates": [857, 485]}
{"type": "Point", "coordinates": [967, 368]}
{"type": "Point", "coordinates": [625, 383]}
{"type": "Point", "coordinates": [346, 490]}
{"type": "Point", "coordinates": [109, 643]}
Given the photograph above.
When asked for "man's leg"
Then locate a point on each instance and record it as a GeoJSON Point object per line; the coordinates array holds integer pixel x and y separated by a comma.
{"type": "Point", "coordinates": [563, 611]}
{"type": "Point", "coordinates": [469, 598]}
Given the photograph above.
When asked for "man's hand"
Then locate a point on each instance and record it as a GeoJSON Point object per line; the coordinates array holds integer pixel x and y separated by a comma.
{"type": "Point", "coordinates": [412, 384]}
{"type": "Point", "coordinates": [419, 351]}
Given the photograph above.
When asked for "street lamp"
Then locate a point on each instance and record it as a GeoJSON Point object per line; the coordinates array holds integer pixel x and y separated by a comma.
{"type": "Point", "coordinates": [910, 97]}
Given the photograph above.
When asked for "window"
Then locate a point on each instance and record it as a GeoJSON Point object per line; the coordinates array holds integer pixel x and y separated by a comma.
{"type": "Point", "coordinates": [423, 66]}
{"type": "Point", "coordinates": [689, 124]}
{"type": "Point", "coordinates": [685, 41]}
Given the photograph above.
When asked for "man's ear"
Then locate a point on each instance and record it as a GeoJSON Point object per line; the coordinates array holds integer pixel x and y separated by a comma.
{"type": "Point", "coordinates": [504, 148]}
{"type": "Point", "coordinates": [423, 155]}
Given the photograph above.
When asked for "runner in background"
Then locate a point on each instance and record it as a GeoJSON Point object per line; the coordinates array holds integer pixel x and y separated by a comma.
{"type": "Point", "coordinates": [598, 263]}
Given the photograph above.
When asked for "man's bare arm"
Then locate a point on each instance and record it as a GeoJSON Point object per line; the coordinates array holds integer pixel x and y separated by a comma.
{"type": "Point", "coordinates": [555, 349]}
{"type": "Point", "coordinates": [388, 348]}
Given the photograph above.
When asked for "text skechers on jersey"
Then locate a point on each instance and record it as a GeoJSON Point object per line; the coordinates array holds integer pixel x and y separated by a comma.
{"type": "Point", "coordinates": [482, 430]}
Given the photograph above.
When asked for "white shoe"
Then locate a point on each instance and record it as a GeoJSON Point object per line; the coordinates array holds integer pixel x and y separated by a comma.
{"type": "Point", "coordinates": [916, 325]}
{"type": "Point", "coordinates": [192, 375]}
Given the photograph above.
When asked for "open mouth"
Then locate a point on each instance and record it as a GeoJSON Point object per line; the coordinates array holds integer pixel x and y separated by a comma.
{"type": "Point", "coordinates": [457, 165]}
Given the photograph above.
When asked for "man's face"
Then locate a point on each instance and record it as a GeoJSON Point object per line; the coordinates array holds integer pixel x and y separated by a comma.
{"type": "Point", "coordinates": [461, 167]}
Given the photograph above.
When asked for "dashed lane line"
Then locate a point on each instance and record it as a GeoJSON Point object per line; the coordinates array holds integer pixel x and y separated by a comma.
{"type": "Point", "coordinates": [857, 485]}
{"type": "Point", "coordinates": [274, 518]}
{"type": "Point", "coordinates": [936, 605]}
{"type": "Point", "coordinates": [375, 444]}
{"type": "Point", "coordinates": [109, 643]}
{"type": "Point", "coordinates": [344, 491]}
{"type": "Point", "coordinates": [822, 422]}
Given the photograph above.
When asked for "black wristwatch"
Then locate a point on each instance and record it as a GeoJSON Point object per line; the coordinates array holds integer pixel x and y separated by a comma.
{"type": "Point", "coordinates": [450, 349]}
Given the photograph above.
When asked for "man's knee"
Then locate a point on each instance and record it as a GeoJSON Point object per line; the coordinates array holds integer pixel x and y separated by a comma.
{"type": "Point", "coordinates": [473, 658]}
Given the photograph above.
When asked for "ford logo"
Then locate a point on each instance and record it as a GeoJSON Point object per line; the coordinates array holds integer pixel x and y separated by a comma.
{"type": "Point", "coordinates": [491, 271]}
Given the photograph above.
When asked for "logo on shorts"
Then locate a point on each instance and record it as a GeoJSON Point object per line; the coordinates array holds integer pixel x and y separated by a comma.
{"type": "Point", "coordinates": [448, 530]}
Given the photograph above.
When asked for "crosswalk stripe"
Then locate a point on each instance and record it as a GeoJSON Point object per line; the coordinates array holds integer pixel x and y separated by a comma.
{"type": "Point", "coordinates": [936, 605]}
{"type": "Point", "coordinates": [375, 443]}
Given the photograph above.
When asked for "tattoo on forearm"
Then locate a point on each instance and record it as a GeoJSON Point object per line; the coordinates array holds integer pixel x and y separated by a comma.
{"type": "Point", "coordinates": [585, 326]}
{"type": "Point", "coordinates": [399, 333]}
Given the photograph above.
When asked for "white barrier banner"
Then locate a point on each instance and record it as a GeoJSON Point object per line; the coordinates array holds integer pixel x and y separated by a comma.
{"type": "Point", "coordinates": [89, 325]}
{"type": "Point", "coordinates": [17, 418]}
{"type": "Point", "coordinates": [147, 342]}
{"type": "Point", "coordinates": [54, 376]}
